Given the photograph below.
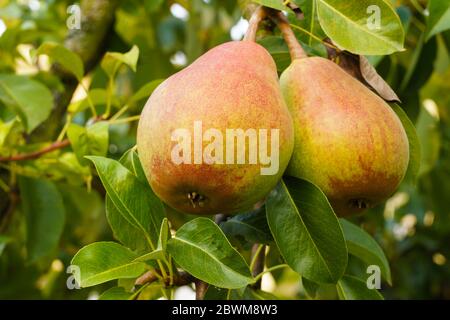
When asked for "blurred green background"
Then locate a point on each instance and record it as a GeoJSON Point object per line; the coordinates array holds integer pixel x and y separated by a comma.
{"type": "Point", "coordinates": [413, 227]}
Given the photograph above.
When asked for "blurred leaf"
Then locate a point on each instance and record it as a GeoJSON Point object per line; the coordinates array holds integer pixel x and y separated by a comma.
{"type": "Point", "coordinates": [29, 99]}
{"type": "Point", "coordinates": [420, 67]}
{"type": "Point", "coordinates": [100, 262]}
{"type": "Point", "coordinates": [115, 293]}
{"type": "Point", "coordinates": [134, 200]}
{"type": "Point", "coordinates": [350, 26]}
{"type": "Point", "coordinates": [44, 210]}
{"type": "Point", "coordinates": [5, 130]}
{"type": "Point", "coordinates": [98, 97]}
{"type": "Point", "coordinates": [251, 226]}
{"type": "Point", "coordinates": [64, 57]}
{"type": "Point", "coordinates": [274, 4]}
{"type": "Point", "coordinates": [113, 60]}
{"type": "Point", "coordinates": [153, 5]}
{"type": "Point", "coordinates": [352, 288]}
{"type": "Point", "coordinates": [414, 144]}
{"type": "Point", "coordinates": [363, 246]}
{"type": "Point", "coordinates": [306, 230]}
{"type": "Point", "coordinates": [429, 136]}
{"type": "Point", "coordinates": [92, 140]}
{"type": "Point", "coordinates": [201, 248]}
{"type": "Point", "coordinates": [145, 91]}
{"type": "Point", "coordinates": [3, 242]}
{"type": "Point", "coordinates": [438, 18]}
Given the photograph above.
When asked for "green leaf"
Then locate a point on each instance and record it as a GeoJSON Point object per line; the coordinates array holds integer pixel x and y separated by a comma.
{"type": "Point", "coordinates": [93, 140]}
{"type": "Point", "coordinates": [310, 22]}
{"type": "Point", "coordinates": [157, 254]}
{"type": "Point", "coordinates": [363, 246]}
{"type": "Point", "coordinates": [438, 17]}
{"type": "Point", "coordinates": [153, 5]}
{"type": "Point", "coordinates": [97, 96]}
{"type": "Point", "coordinates": [100, 262]}
{"type": "Point", "coordinates": [306, 230]}
{"type": "Point", "coordinates": [3, 242]}
{"type": "Point", "coordinates": [115, 293]}
{"type": "Point", "coordinates": [201, 248]}
{"type": "Point", "coordinates": [274, 4]}
{"type": "Point", "coordinates": [351, 26]}
{"type": "Point", "coordinates": [131, 161]}
{"type": "Point", "coordinates": [251, 226]}
{"type": "Point", "coordinates": [135, 201]}
{"type": "Point", "coordinates": [310, 288]}
{"type": "Point", "coordinates": [256, 294]}
{"type": "Point", "coordinates": [414, 144]}
{"type": "Point", "coordinates": [164, 235]}
{"type": "Point", "coordinates": [113, 60]}
{"type": "Point", "coordinates": [64, 57]}
{"type": "Point", "coordinates": [278, 50]}
{"type": "Point", "coordinates": [215, 293]}
{"type": "Point", "coordinates": [125, 232]}
{"type": "Point", "coordinates": [5, 130]}
{"type": "Point", "coordinates": [29, 99]}
{"type": "Point", "coordinates": [145, 91]}
{"type": "Point", "coordinates": [45, 215]}
{"type": "Point", "coordinates": [352, 288]}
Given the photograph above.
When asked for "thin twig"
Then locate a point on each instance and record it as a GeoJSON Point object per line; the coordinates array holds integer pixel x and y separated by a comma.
{"type": "Point", "coordinates": [36, 154]}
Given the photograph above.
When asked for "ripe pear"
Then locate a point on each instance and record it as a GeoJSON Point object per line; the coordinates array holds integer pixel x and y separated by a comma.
{"type": "Point", "coordinates": [348, 141]}
{"type": "Point", "coordinates": [233, 86]}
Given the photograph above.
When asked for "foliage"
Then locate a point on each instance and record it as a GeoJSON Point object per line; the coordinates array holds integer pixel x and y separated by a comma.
{"type": "Point", "coordinates": [74, 197]}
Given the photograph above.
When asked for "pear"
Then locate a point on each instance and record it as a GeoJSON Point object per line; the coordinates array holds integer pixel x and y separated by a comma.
{"type": "Point", "coordinates": [348, 141]}
{"type": "Point", "coordinates": [185, 134]}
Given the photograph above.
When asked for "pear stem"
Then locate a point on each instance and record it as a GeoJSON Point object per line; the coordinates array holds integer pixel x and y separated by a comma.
{"type": "Point", "coordinates": [256, 18]}
{"type": "Point", "coordinates": [295, 49]}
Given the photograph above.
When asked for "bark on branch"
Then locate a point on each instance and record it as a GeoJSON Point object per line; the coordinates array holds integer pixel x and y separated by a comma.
{"type": "Point", "coordinates": [34, 155]}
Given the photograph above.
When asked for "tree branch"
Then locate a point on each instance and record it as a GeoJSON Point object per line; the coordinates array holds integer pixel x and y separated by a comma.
{"type": "Point", "coordinates": [97, 17]}
{"type": "Point", "coordinates": [34, 155]}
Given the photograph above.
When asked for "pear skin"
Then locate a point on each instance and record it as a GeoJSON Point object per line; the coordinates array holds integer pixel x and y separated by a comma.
{"type": "Point", "coordinates": [233, 86]}
{"type": "Point", "coordinates": [348, 141]}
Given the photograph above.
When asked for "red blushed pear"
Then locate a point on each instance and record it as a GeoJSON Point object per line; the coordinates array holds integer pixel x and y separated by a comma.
{"type": "Point", "coordinates": [184, 134]}
{"type": "Point", "coordinates": [348, 141]}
